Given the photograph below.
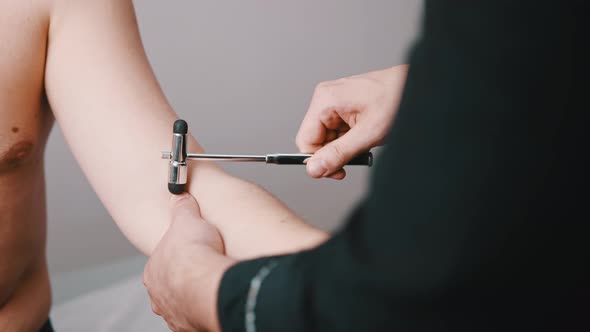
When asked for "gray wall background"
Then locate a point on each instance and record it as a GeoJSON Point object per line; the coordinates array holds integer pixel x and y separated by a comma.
{"type": "Point", "coordinates": [242, 74]}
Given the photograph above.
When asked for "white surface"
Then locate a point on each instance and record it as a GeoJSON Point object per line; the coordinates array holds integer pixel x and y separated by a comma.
{"type": "Point", "coordinates": [67, 286]}
{"type": "Point", "coordinates": [123, 307]}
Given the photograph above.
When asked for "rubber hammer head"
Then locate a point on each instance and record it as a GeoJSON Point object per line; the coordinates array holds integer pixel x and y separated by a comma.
{"type": "Point", "coordinates": [177, 171]}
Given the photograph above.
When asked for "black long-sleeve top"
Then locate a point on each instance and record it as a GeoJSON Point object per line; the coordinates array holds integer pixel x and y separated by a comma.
{"type": "Point", "coordinates": [477, 214]}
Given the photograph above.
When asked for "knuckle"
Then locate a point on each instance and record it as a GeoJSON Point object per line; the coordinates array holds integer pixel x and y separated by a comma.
{"type": "Point", "coordinates": [299, 140]}
{"type": "Point", "coordinates": [321, 87]}
{"type": "Point", "coordinates": [324, 89]}
{"type": "Point", "coordinates": [326, 113]}
{"type": "Point", "coordinates": [329, 115]}
{"type": "Point", "coordinates": [155, 309]}
{"type": "Point", "coordinates": [303, 144]}
{"type": "Point", "coordinates": [336, 153]}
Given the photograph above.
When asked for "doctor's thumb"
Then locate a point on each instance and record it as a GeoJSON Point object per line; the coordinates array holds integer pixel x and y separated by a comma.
{"type": "Point", "coordinates": [184, 207]}
{"type": "Point", "coordinates": [334, 155]}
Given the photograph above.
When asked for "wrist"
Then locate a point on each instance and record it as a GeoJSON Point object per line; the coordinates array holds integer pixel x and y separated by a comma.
{"type": "Point", "coordinates": [403, 67]}
{"type": "Point", "coordinates": [202, 285]}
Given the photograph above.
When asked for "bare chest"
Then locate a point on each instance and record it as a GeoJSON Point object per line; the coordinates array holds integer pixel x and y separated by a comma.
{"type": "Point", "coordinates": [24, 118]}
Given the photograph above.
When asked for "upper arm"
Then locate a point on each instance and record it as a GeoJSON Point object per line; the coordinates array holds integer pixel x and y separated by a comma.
{"type": "Point", "coordinates": [101, 88]}
{"type": "Point", "coordinates": [116, 119]}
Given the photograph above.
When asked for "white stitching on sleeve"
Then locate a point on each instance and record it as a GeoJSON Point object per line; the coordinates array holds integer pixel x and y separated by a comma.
{"type": "Point", "coordinates": [255, 283]}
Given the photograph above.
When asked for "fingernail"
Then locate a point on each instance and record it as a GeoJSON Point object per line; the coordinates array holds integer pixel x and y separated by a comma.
{"type": "Point", "coordinates": [317, 167]}
{"type": "Point", "coordinates": [178, 198]}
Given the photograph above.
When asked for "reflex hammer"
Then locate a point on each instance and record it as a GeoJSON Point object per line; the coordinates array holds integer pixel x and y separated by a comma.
{"type": "Point", "coordinates": [178, 170]}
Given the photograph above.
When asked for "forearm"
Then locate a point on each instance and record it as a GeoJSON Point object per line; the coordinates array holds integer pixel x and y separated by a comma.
{"type": "Point", "coordinates": [251, 220]}
{"type": "Point", "coordinates": [116, 119]}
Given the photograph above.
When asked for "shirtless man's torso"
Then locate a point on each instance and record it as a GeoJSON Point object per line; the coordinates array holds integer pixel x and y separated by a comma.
{"type": "Point", "coordinates": [25, 122]}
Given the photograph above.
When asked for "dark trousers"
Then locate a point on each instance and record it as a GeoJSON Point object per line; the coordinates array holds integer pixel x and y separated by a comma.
{"type": "Point", "coordinates": [47, 327]}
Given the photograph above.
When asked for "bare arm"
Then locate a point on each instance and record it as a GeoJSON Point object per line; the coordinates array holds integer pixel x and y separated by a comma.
{"type": "Point", "coordinates": [115, 119]}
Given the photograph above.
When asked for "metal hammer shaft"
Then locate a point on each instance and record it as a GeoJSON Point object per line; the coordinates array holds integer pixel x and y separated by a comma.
{"type": "Point", "coordinates": [365, 159]}
{"type": "Point", "coordinates": [178, 171]}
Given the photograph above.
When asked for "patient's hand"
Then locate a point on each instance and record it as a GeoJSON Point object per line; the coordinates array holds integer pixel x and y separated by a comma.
{"type": "Point", "coordinates": [185, 270]}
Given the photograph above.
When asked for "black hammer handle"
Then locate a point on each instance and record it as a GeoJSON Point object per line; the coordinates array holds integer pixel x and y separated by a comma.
{"type": "Point", "coordinates": [365, 159]}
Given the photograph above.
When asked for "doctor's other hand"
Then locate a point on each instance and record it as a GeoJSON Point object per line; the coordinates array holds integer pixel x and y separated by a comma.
{"type": "Point", "coordinates": [183, 273]}
{"type": "Point", "coordinates": [347, 117]}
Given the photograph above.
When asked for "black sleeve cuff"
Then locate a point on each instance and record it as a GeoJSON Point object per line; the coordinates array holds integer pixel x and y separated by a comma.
{"type": "Point", "coordinates": [279, 299]}
{"type": "Point", "coordinates": [233, 291]}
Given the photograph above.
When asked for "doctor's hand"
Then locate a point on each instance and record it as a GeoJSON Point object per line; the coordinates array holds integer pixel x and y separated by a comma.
{"type": "Point", "coordinates": [347, 117]}
{"type": "Point", "coordinates": [184, 271]}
